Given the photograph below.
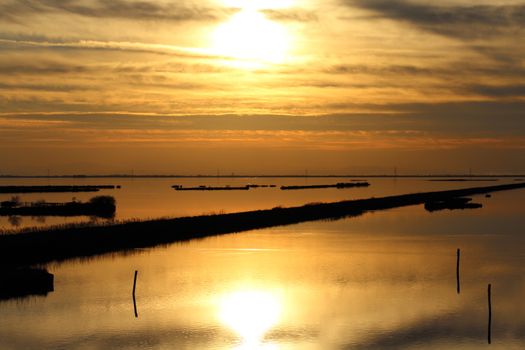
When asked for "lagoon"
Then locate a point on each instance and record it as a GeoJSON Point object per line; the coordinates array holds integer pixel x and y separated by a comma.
{"type": "Point", "coordinates": [149, 198]}
{"type": "Point", "coordinates": [383, 280]}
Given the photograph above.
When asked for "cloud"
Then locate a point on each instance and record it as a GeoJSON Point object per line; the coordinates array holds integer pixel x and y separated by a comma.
{"type": "Point", "coordinates": [517, 90]}
{"type": "Point", "coordinates": [472, 119]}
{"type": "Point", "coordinates": [460, 21]}
{"type": "Point", "coordinates": [18, 11]}
{"type": "Point", "coordinates": [294, 15]}
{"type": "Point", "coordinates": [461, 78]}
{"type": "Point", "coordinates": [171, 50]}
{"type": "Point", "coordinates": [380, 70]}
{"type": "Point", "coordinates": [495, 31]}
{"type": "Point", "coordinates": [45, 87]}
{"type": "Point", "coordinates": [45, 67]}
{"type": "Point", "coordinates": [146, 133]}
{"type": "Point", "coordinates": [39, 65]}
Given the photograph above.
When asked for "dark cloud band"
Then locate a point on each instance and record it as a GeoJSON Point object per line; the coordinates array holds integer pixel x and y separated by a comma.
{"type": "Point", "coordinates": [459, 21]}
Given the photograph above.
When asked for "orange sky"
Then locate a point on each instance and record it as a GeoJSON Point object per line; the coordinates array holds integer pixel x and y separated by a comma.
{"type": "Point", "coordinates": [334, 86]}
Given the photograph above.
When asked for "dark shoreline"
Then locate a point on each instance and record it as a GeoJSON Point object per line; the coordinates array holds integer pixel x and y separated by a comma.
{"type": "Point", "coordinates": [44, 246]}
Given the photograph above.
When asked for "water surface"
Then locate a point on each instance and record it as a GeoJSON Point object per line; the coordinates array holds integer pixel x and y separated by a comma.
{"type": "Point", "coordinates": [143, 198]}
{"type": "Point", "coordinates": [383, 280]}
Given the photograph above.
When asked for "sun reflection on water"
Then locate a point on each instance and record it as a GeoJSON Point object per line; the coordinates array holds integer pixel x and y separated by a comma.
{"type": "Point", "coordinates": [251, 314]}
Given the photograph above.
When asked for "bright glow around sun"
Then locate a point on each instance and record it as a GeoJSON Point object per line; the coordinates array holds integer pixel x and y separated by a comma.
{"type": "Point", "coordinates": [249, 36]}
{"type": "Point", "coordinates": [250, 314]}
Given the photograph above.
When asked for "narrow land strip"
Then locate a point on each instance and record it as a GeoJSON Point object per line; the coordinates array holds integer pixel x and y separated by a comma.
{"type": "Point", "coordinates": [43, 246]}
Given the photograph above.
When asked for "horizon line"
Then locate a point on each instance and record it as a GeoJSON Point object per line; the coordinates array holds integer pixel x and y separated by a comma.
{"type": "Point", "coordinates": [415, 175]}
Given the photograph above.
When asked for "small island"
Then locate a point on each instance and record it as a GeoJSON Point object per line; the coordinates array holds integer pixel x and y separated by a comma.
{"type": "Point", "coordinates": [19, 282]}
{"type": "Point", "coordinates": [453, 203]}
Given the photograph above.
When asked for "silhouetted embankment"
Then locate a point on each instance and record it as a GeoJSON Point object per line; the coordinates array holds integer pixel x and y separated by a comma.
{"type": "Point", "coordinates": [219, 188]}
{"type": "Point", "coordinates": [101, 206]}
{"type": "Point", "coordinates": [23, 282]}
{"type": "Point", "coordinates": [44, 246]}
{"type": "Point", "coordinates": [339, 185]}
{"type": "Point", "coordinates": [463, 180]}
{"type": "Point", "coordinates": [452, 204]}
{"type": "Point", "coordinates": [50, 189]}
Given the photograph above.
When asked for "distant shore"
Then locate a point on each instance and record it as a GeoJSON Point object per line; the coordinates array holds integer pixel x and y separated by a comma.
{"type": "Point", "coordinates": [55, 244]}
{"type": "Point", "coordinates": [56, 189]}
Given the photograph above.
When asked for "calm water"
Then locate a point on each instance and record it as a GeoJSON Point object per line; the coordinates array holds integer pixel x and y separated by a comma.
{"type": "Point", "coordinates": [152, 198]}
{"type": "Point", "coordinates": [384, 280]}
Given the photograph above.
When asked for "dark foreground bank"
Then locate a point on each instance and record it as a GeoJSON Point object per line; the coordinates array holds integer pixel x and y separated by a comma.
{"type": "Point", "coordinates": [44, 246]}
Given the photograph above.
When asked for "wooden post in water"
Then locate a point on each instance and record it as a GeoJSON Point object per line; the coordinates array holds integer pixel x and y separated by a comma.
{"type": "Point", "coordinates": [457, 271]}
{"type": "Point", "coordinates": [490, 315]}
{"type": "Point", "coordinates": [133, 293]}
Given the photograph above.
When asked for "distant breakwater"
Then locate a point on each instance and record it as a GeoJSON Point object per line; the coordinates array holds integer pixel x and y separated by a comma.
{"type": "Point", "coordinates": [211, 188]}
{"type": "Point", "coordinates": [218, 188]}
{"type": "Point", "coordinates": [339, 185]}
{"type": "Point", "coordinates": [52, 189]}
{"type": "Point", "coordinates": [463, 180]}
{"type": "Point", "coordinates": [43, 246]}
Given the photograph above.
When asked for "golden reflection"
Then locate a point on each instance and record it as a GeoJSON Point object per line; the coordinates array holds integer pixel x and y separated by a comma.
{"type": "Point", "coordinates": [251, 314]}
{"type": "Point", "coordinates": [252, 39]}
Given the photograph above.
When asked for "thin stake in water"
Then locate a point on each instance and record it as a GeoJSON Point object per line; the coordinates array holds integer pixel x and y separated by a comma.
{"type": "Point", "coordinates": [133, 293]}
{"type": "Point", "coordinates": [490, 314]}
{"type": "Point", "coordinates": [457, 271]}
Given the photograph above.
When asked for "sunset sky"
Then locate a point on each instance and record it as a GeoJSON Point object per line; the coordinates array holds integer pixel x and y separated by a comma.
{"type": "Point", "coordinates": [262, 86]}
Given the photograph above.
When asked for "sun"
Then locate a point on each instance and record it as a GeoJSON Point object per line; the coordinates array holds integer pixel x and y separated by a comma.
{"type": "Point", "coordinates": [250, 313]}
{"type": "Point", "coordinates": [248, 37]}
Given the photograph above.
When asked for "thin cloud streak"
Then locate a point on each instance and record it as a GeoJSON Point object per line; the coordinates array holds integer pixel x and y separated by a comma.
{"type": "Point", "coordinates": [20, 10]}
{"type": "Point", "coordinates": [69, 133]}
{"type": "Point", "coordinates": [292, 15]}
{"type": "Point", "coordinates": [119, 46]}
